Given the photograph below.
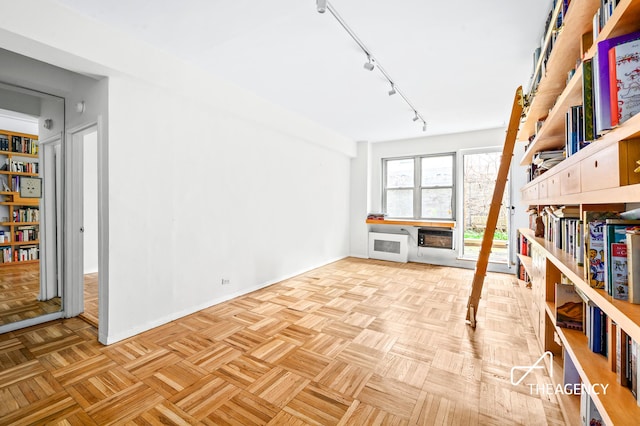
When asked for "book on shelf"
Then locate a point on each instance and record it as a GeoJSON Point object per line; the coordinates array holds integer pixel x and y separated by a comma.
{"type": "Point", "coordinates": [587, 100]}
{"type": "Point", "coordinates": [593, 226]}
{"type": "Point", "coordinates": [589, 414]}
{"type": "Point", "coordinates": [624, 82]}
{"type": "Point", "coordinates": [602, 92]}
{"type": "Point", "coordinates": [570, 375]}
{"type": "Point", "coordinates": [375, 216]}
{"type": "Point", "coordinates": [633, 264]}
{"type": "Point", "coordinates": [597, 333]}
{"type": "Point", "coordinates": [569, 307]}
{"type": "Point", "coordinates": [615, 262]}
{"type": "Point", "coordinates": [574, 130]}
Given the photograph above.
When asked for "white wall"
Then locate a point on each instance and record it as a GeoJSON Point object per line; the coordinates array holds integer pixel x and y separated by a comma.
{"type": "Point", "coordinates": [360, 200]}
{"type": "Point", "coordinates": [205, 180]}
{"type": "Point", "coordinates": [457, 143]}
{"type": "Point", "coordinates": [199, 195]}
{"type": "Point", "coordinates": [18, 123]}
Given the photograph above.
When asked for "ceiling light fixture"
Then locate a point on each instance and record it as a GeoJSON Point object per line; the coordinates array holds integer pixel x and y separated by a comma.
{"type": "Point", "coordinates": [372, 62]}
{"type": "Point", "coordinates": [369, 65]}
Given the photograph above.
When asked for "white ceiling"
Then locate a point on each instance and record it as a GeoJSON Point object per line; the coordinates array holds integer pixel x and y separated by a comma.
{"type": "Point", "coordinates": [458, 62]}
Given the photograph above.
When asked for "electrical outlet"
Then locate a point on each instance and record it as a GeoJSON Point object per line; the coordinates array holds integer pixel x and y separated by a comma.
{"type": "Point", "coordinates": [225, 281]}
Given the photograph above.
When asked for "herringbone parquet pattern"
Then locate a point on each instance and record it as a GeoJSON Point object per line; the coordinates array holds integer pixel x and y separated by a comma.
{"type": "Point", "coordinates": [356, 342]}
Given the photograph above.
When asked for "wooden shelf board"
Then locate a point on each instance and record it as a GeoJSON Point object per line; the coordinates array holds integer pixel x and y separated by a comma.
{"type": "Point", "coordinates": [569, 404]}
{"type": "Point", "coordinates": [527, 262]}
{"type": "Point", "coordinates": [552, 134]}
{"type": "Point", "coordinates": [18, 154]}
{"type": "Point", "coordinates": [22, 262]}
{"type": "Point", "coordinates": [561, 60]}
{"type": "Point", "coordinates": [23, 135]}
{"type": "Point", "coordinates": [21, 243]}
{"type": "Point", "coordinates": [555, 103]}
{"type": "Point", "coordinates": [426, 223]}
{"type": "Point", "coordinates": [624, 20]}
{"type": "Point", "coordinates": [618, 406]}
{"type": "Point", "coordinates": [35, 202]}
{"type": "Point", "coordinates": [6, 172]}
{"type": "Point", "coordinates": [625, 314]}
{"type": "Point", "coordinates": [550, 307]}
{"type": "Point", "coordinates": [18, 223]}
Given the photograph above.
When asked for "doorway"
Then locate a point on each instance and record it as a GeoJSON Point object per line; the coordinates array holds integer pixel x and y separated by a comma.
{"type": "Point", "coordinates": [85, 186]}
{"type": "Point", "coordinates": [480, 170]}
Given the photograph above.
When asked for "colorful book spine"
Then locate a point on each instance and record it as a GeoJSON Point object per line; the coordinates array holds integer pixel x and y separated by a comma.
{"type": "Point", "coordinates": [603, 93]}
{"type": "Point", "coordinates": [594, 246]}
{"type": "Point", "coordinates": [616, 276]}
{"type": "Point", "coordinates": [633, 264]}
{"type": "Point", "coordinates": [625, 87]}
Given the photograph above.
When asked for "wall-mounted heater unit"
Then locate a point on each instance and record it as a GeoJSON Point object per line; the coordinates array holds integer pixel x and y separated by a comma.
{"type": "Point", "coordinates": [435, 237]}
{"type": "Point", "coordinates": [393, 247]}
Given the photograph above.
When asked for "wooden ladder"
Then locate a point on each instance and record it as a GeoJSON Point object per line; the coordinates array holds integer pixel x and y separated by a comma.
{"type": "Point", "coordinates": [494, 208]}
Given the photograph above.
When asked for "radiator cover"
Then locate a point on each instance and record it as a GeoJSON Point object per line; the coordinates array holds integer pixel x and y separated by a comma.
{"type": "Point", "coordinates": [393, 247]}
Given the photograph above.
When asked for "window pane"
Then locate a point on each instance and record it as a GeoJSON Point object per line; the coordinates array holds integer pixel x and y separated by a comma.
{"type": "Point", "coordinates": [400, 202]}
{"type": "Point", "coordinates": [400, 173]}
{"type": "Point", "coordinates": [437, 171]}
{"type": "Point", "coordinates": [437, 203]}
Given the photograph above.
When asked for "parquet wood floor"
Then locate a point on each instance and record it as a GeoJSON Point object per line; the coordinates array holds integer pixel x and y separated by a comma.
{"type": "Point", "coordinates": [90, 313]}
{"type": "Point", "coordinates": [19, 288]}
{"type": "Point", "coordinates": [356, 342]}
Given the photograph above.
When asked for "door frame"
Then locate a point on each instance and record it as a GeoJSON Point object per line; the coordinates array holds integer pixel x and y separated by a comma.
{"type": "Point", "coordinates": [52, 248]}
{"type": "Point", "coordinates": [74, 273]}
{"type": "Point", "coordinates": [499, 266]}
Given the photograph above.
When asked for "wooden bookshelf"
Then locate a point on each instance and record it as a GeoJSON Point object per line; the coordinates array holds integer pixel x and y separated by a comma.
{"type": "Point", "coordinates": [594, 178]}
{"type": "Point", "coordinates": [11, 202]}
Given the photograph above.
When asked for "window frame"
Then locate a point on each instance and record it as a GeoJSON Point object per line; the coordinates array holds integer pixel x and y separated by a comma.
{"type": "Point", "coordinates": [417, 187]}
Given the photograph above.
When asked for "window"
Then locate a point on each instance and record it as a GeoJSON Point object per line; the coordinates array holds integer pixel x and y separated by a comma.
{"type": "Point", "coordinates": [421, 187]}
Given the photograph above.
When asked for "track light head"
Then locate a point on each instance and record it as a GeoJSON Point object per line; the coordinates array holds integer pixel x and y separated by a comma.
{"type": "Point", "coordinates": [321, 5]}
{"type": "Point", "coordinates": [424, 126]}
{"type": "Point", "coordinates": [369, 65]}
{"type": "Point", "coordinates": [415, 118]}
{"type": "Point", "coordinates": [393, 90]}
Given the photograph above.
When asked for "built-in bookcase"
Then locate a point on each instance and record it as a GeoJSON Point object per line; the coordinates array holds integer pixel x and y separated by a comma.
{"type": "Point", "coordinates": [19, 217]}
{"type": "Point", "coordinates": [598, 176]}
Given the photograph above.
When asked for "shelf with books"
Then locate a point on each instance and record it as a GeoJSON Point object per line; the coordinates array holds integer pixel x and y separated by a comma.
{"type": "Point", "coordinates": [562, 59]}
{"type": "Point", "coordinates": [551, 134]}
{"type": "Point", "coordinates": [526, 261]}
{"type": "Point", "coordinates": [598, 176]}
{"type": "Point", "coordinates": [617, 406]}
{"type": "Point", "coordinates": [19, 229]}
{"type": "Point", "coordinates": [626, 314]}
{"type": "Point", "coordinates": [624, 20]}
